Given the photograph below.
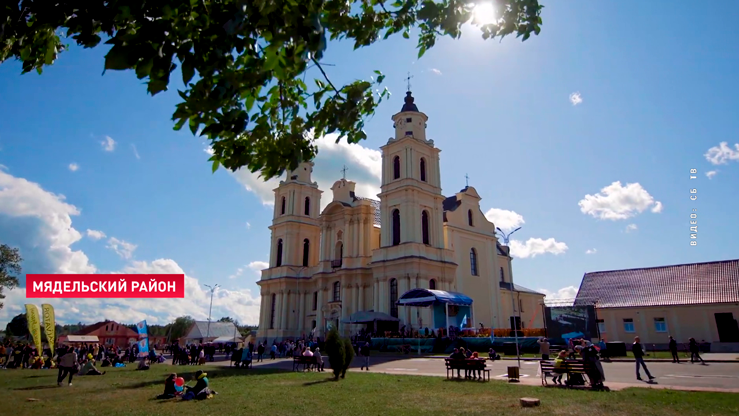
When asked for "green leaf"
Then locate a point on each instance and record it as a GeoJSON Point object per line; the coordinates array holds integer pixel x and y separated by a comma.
{"type": "Point", "coordinates": [216, 164]}
{"type": "Point", "coordinates": [117, 58]}
{"type": "Point", "coordinates": [188, 70]}
{"type": "Point", "coordinates": [406, 35]}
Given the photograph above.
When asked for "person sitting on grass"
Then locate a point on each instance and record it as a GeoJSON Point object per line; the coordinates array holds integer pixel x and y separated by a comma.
{"type": "Point", "coordinates": [170, 392]}
{"type": "Point", "coordinates": [201, 390]}
{"type": "Point", "coordinates": [143, 364]}
{"type": "Point", "coordinates": [89, 369]}
{"type": "Point", "coordinates": [559, 367]}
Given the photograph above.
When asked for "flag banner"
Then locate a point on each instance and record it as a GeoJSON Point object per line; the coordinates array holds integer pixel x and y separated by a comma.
{"type": "Point", "coordinates": [49, 325]}
{"type": "Point", "coordinates": [105, 286]}
{"type": "Point", "coordinates": [34, 326]}
{"type": "Point", "coordinates": [143, 343]}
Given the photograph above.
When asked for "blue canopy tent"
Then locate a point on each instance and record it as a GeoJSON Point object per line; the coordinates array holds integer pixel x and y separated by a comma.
{"type": "Point", "coordinates": [440, 301]}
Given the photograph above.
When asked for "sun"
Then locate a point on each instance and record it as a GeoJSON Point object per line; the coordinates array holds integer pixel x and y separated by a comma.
{"type": "Point", "coordinates": [484, 13]}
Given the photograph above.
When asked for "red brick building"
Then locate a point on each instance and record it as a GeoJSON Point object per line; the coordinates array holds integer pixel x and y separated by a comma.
{"type": "Point", "coordinates": [111, 333]}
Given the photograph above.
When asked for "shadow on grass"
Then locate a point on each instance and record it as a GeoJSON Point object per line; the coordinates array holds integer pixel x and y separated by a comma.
{"type": "Point", "coordinates": [31, 388]}
{"type": "Point", "coordinates": [325, 380]}
{"type": "Point", "coordinates": [213, 374]}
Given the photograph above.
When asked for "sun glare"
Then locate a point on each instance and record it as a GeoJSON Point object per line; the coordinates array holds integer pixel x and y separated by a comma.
{"type": "Point", "coordinates": [484, 13]}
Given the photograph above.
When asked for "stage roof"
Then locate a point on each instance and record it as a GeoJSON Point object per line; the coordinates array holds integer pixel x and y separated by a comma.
{"type": "Point", "coordinates": [427, 297]}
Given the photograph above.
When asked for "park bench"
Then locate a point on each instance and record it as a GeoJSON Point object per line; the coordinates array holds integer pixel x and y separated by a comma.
{"type": "Point", "coordinates": [467, 365]}
{"type": "Point", "coordinates": [569, 367]}
{"type": "Point", "coordinates": [306, 362]}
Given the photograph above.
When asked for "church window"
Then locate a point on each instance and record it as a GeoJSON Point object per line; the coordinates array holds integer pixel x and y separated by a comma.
{"type": "Point", "coordinates": [502, 275]}
{"type": "Point", "coordinates": [337, 291]}
{"type": "Point", "coordinates": [425, 226]}
{"type": "Point", "coordinates": [339, 253]}
{"type": "Point", "coordinates": [272, 312]}
{"type": "Point", "coordinates": [473, 262]}
{"type": "Point", "coordinates": [306, 252]}
{"type": "Point", "coordinates": [307, 205]}
{"type": "Point", "coordinates": [423, 169]}
{"type": "Point", "coordinates": [408, 120]}
{"type": "Point", "coordinates": [283, 206]}
{"type": "Point", "coordinates": [315, 302]}
{"type": "Point", "coordinates": [469, 218]}
{"type": "Point", "coordinates": [278, 257]}
{"type": "Point", "coordinates": [396, 227]}
{"type": "Point", "coordinates": [432, 284]}
{"type": "Point", "coordinates": [396, 167]}
{"type": "Point", "coordinates": [394, 298]}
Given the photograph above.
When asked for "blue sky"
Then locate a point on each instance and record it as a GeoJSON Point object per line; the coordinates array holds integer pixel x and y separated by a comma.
{"type": "Point", "coordinates": [636, 93]}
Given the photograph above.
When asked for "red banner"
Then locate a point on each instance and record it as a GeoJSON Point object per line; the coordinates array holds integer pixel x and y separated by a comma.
{"type": "Point", "coordinates": [105, 286]}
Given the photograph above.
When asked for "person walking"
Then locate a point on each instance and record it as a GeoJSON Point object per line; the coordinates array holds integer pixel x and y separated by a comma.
{"type": "Point", "coordinates": [67, 365]}
{"type": "Point", "coordinates": [673, 350]}
{"type": "Point", "coordinates": [694, 352]}
{"type": "Point", "coordinates": [638, 352]}
{"type": "Point", "coordinates": [365, 351]}
{"type": "Point", "coordinates": [543, 348]}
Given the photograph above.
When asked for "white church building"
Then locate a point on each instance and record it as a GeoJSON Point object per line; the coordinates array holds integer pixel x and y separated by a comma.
{"type": "Point", "coordinates": [362, 254]}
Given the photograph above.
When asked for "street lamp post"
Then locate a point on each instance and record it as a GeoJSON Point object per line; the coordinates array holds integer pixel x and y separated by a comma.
{"type": "Point", "coordinates": [212, 291]}
{"type": "Point", "coordinates": [516, 324]}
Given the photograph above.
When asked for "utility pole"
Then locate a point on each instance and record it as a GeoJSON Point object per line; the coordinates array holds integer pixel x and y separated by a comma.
{"type": "Point", "coordinates": [212, 291]}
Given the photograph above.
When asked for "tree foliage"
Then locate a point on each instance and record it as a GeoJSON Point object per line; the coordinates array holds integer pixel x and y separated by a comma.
{"type": "Point", "coordinates": [340, 352]}
{"type": "Point", "coordinates": [179, 327]}
{"type": "Point", "coordinates": [17, 327]}
{"type": "Point", "coordinates": [10, 268]}
{"type": "Point", "coordinates": [244, 62]}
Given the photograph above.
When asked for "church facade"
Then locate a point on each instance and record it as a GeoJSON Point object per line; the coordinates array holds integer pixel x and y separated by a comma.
{"type": "Point", "coordinates": [362, 254]}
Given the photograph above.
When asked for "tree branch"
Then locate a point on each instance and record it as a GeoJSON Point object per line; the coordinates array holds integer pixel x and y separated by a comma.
{"type": "Point", "coordinates": [320, 68]}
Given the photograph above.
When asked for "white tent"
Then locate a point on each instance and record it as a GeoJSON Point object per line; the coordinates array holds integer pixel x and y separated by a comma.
{"type": "Point", "coordinates": [223, 340]}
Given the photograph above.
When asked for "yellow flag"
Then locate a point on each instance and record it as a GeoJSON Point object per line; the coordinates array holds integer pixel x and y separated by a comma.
{"type": "Point", "coordinates": [49, 325]}
{"type": "Point", "coordinates": [34, 325]}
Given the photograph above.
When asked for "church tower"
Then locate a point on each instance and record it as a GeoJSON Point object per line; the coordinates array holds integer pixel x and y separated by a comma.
{"type": "Point", "coordinates": [295, 228]}
{"type": "Point", "coordinates": [412, 251]}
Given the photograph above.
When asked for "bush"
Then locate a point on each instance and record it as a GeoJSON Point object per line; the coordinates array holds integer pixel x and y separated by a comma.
{"type": "Point", "coordinates": [340, 353]}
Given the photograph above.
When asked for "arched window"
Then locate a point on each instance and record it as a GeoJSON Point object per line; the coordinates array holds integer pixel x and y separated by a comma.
{"type": "Point", "coordinates": [473, 262]}
{"type": "Point", "coordinates": [283, 206]}
{"type": "Point", "coordinates": [425, 226]}
{"type": "Point", "coordinates": [339, 252]}
{"type": "Point", "coordinates": [502, 275]}
{"type": "Point", "coordinates": [306, 252]}
{"type": "Point", "coordinates": [432, 284]}
{"type": "Point", "coordinates": [337, 291]}
{"type": "Point", "coordinates": [394, 298]}
{"type": "Point", "coordinates": [396, 167]}
{"type": "Point", "coordinates": [423, 169]}
{"type": "Point", "coordinates": [278, 257]}
{"type": "Point", "coordinates": [469, 218]}
{"type": "Point", "coordinates": [307, 205]}
{"type": "Point", "coordinates": [272, 313]}
{"type": "Point", "coordinates": [396, 227]}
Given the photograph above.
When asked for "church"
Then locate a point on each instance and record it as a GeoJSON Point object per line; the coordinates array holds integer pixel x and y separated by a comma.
{"type": "Point", "coordinates": [361, 254]}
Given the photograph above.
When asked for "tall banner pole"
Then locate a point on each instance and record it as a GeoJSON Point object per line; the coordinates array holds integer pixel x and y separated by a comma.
{"type": "Point", "coordinates": [34, 326]}
{"type": "Point", "coordinates": [49, 326]}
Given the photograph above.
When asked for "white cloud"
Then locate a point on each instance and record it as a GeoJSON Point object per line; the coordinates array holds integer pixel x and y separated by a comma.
{"type": "Point", "coordinates": [248, 225]}
{"type": "Point", "coordinates": [95, 234]}
{"type": "Point", "coordinates": [122, 248]}
{"type": "Point", "coordinates": [576, 98]}
{"type": "Point", "coordinates": [504, 219]}
{"type": "Point", "coordinates": [240, 304]}
{"type": "Point", "coordinates": [591, 251]}
{"type": "Point", "coordinates": [39, 223]}
{"type": "Point", "coordinates": [564, 296]}
{"type": "Point", "coordinates": [237, 274]}
{"type": "Point", "coordinates": [135, 151]}
{"type": "Point", "coordinates": [536, 246]}
{"type": "Point", "coordinates": [711, 173]}
{"type": "Point", "coordinates": [258, 266]}
{"type": "Point", "coordinates": [722, 154]}
{"type": "Point", "coordinates": [73, 167]}
{"type": "Point", "coordinates": [617, 202]}
{"type": "Point", "coordinates": [108, 144]}
{"type": "Point", "coordinates": [435, 71]}
{"type": "Point", "coordinates": [631, 227]}
{"type": "Point", "coordinates": [365, 168]}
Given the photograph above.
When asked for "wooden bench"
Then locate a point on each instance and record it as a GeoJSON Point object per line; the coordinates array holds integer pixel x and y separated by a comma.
{"type": "Point", "coordinates": [306, 362]}
{"type": "Point", "coordinates": [468, 365]}
{"type": "Point", "coordinates": [569, 367]}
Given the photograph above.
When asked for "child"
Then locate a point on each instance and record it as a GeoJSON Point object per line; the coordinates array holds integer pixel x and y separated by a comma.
{"type": "Point", "coordinates": [169, 388]}
{"type": "Point", "coordinates": [201, 390]}
{"type": "Point", "coordinates": [559, 367]}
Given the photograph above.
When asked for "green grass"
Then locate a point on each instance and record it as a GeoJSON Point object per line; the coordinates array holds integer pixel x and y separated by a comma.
{"type": "Point", "coordinates": [128, 392]}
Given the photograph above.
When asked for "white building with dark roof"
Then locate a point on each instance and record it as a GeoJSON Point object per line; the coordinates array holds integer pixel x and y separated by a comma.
{"type": "Point", "coordinates": [699, 300]}
{"type": "Point", "coordinates": [361, 254]}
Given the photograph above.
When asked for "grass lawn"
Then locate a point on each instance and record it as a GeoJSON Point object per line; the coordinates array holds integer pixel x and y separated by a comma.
{"type": "Point", "coordinates": [128, 392]}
